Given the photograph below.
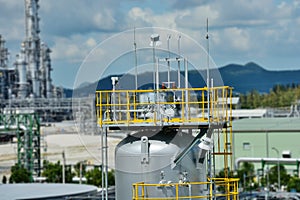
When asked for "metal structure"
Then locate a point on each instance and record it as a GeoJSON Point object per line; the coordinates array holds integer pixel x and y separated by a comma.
{"type": "Point", "coordinates": [5, 72]}
{"type": "Point", "coordinates": [230, 184]}
{"type": "Point", "coordinates": [126, 109]}
{"type": "Point", "coordinates": [81, 110]}
{"type": "Point", "coordinates": [27, 85]}
{"type": "Point", "coordinates": [26, 127]}
{"type": "Point", "coordinates": [267, 161]}
{"type": "Point", "coordinates": [174, 137]}
{"type": "Point", "coordinates": [132, 108]}
{"type": "Point", "coordinates": [30, 77]}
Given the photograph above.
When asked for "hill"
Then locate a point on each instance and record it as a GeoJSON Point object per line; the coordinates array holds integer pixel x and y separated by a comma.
{"type": "Point", "coordinates": [244, 78]}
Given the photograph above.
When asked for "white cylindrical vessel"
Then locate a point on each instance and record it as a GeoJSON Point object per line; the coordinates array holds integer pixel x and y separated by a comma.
{"type": "Point", "coordinates": [21, 68]}
{"type": "Point", "coordinates": [143, 157]}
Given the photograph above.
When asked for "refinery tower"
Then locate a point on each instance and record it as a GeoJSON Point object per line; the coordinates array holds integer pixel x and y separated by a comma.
{"type": "Point", "coordinates": [30, 76]}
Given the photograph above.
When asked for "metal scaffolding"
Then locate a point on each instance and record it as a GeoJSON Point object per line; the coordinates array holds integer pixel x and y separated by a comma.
{"type": "Point", "coordinates": [26, 128]}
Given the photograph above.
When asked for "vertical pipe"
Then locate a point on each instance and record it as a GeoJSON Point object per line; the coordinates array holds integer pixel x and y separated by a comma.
{"type": "Point", "coordinates": [178, 72]}
{"type": "Point", "coordinates": [267, 152]}
{"type": "Point", "coordinates": [157, 76]}
{"type": "Point", "coordinates": [63, 167]}
{"type": "Point", "coordinates": [102, 160]}
{"type": "Point", "coordinates": [186, 87]}
{"type": "Point", "coordinates": [168, 43]}
{"type": "Point", "coordinates": [153, 51]}
{"type": "Point", "coordinates": [158, 98]}
{"type": "Point", "coordinates": [278, 168]}
{"type": "Point", "coordinates": [80, 172]}
{"type": "Point", "coordinates": [190, 191]}
{"type": "Point", "coordinates": [212, 100]}
{"type": "Point", "coordinates": [106, 166]}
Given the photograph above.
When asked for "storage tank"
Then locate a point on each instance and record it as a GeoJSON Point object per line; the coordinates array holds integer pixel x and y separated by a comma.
{"type": "Point", "coordinates": [147, 157]}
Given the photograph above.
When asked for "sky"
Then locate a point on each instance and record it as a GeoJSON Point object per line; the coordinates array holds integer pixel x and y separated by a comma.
{"type": "Point", "coordinates": [266, 32]}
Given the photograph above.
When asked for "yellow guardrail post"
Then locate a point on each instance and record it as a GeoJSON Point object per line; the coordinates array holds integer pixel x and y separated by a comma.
{"type": "Point", "coordinates": [228, 189]}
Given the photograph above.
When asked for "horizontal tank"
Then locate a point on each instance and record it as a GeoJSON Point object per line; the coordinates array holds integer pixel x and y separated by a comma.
{"type": "Point", "coordinates": [148, 157]}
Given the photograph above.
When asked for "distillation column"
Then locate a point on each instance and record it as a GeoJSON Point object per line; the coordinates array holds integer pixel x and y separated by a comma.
{"type": "Point", "coordinates": [21, 68]}
{"type": "Point", "coordinates": [46, 85]}
{"type": "Point", "coordinates": [6, 73]}
{"type": "Point", "coordinates": [3, 66]}
{"type": "Point", "coordinates": [32, 45]}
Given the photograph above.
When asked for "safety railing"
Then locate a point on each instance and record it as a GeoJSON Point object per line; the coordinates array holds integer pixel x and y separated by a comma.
{"type": "Point", "coordinates": [163, 106]}
{"type": "Point", "coordinates": [218, 187]}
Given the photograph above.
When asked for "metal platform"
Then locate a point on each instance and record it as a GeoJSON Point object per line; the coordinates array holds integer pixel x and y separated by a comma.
{"type": "Point", "coordinates": [163, 107]}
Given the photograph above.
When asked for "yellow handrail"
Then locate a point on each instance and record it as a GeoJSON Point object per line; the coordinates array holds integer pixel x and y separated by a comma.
{"type": "Point", "coordinates": [230, 184]}
{"type": "Point", "coordinates": [162, 107]}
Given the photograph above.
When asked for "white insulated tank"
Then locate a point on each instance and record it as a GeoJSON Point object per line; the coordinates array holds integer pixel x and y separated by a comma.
{"type": "Point", "coordinates": [147, 157]}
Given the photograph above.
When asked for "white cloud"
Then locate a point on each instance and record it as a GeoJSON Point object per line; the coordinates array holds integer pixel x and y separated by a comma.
{"type": "Point", "coordinates": [146, 17]}
{"type": "Point", "coordinates": [239, 39]}
{"type": "Point", "coordinates": [195, 18]}
{"type": "Point", "coordinates": [91, 42]}
{"type": "Point", "coordinates": [73, 49]}
{"type": "Point", "coordinates": [137, 13]}
{"type": "Point", "coordinates": [104, 19]}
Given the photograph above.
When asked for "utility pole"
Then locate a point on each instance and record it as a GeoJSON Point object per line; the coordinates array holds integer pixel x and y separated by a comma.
{"type": "Point", "coordinates": [63, 168]}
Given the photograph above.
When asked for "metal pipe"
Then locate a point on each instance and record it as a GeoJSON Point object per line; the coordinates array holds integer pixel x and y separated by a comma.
{"type": "Point", "coordinates": [106, 166]}
{"type": "Point", "coordinates": [208, 76]}
{"type": "Point", "coordinates": [178, 73]}
{"type": "Point", "coordinates": [153, 50]}
{"type": "Point", "coordinates": [168, 42]}
{"type": "Point", "coordinates": [102, 160]}
{"type": "Point", "coordinates": [278, 167]}
{"type": "Point", "coordinates": [288, 161]}
{"type": "Point", "coordinates": [186, 74]}
{"type": "Point", "coordinates": [63, 167]}
{"type": "Point", "coordinates": [135, 60]}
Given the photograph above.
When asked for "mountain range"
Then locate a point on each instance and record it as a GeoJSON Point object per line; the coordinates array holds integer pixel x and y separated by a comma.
{"type": "Point", "coordinates": [243, 78]}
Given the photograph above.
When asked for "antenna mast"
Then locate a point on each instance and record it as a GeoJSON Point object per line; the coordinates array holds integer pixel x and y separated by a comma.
{"type": "Point", "coordinates": [135, 59]}
{"type": "Point", "coordinates": [178, 73]}
{"type": "Point", "coordinates": [207, 38]}
{"type": "Point", "coordinates": [207, 74]}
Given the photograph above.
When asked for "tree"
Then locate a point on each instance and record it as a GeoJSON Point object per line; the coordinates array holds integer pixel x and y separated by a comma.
{"type": "Point", "coordinates": [4, 180]}
{"type": "Point", "coordinates": [279, 96]}
{"type": "Point", "coordinates": [221, 174]}
{"type": "Point", "coordinates": [94, 177]}
{"type": "Point", "coordinates": [111, 177]}
{"type": "Point", "coordinates": [53, 172]}
{"type": "Point", "coordinates": [246, 174]}
{"type": "Point", "coordinates": [294, 184]}
{"type": "Point", "coordinates": [273, 175]}
{"type": "Point", "coordinates": [19, 174]}
{"type": "Point", "coordinates": [81, 164]}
